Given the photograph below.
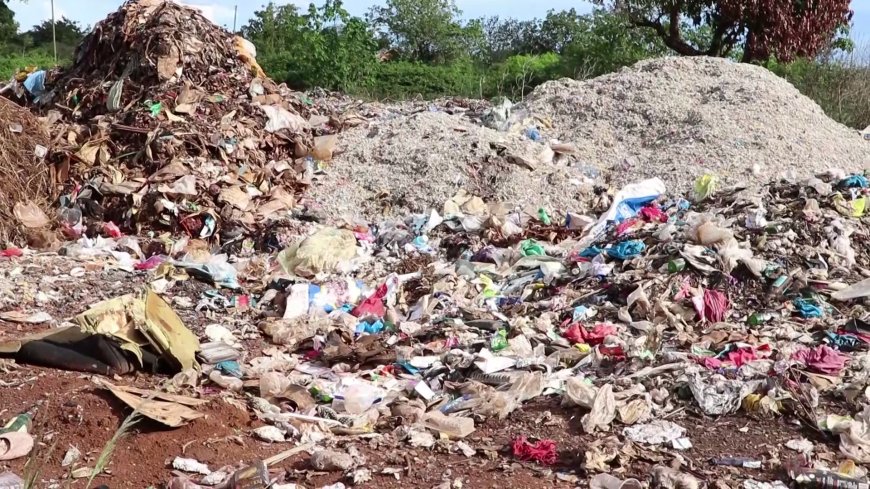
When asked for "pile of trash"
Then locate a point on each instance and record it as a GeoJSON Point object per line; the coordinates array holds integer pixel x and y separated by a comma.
{"type": "Point", "coordinates": [728, 300]}
{"type": "Point", "coordinates": [165, 120]}
{"type": "Point", "coordinates": [719, 301]}
{"type": "Point", "coordinates": [25, 189]}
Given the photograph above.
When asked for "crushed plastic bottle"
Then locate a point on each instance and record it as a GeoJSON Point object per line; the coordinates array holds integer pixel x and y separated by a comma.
{"type": "Point", "coordinates": [254, 477]}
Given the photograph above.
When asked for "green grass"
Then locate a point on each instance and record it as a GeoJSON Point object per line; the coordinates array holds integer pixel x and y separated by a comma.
{"type": "Point", "coordinates": [12, 63]}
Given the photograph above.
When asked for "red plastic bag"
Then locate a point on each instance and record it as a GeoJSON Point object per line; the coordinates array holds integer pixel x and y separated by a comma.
{"type": "Point", "coordinates": [11, 253]}
{"type": "Point", "coordinates": [111, 230]}
{"type": "Point", "coordinates": [652, 213]}
{"type": "Point", "coordinates": [373, 305]}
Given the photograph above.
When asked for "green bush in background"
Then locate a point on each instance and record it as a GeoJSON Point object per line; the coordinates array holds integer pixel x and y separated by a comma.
{"type": "Point", "coordinates": [13, 62]}
{"type": "Point", "coordinates": [839, 84]}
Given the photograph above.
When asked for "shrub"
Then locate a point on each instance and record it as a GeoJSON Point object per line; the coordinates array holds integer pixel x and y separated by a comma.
{"type": "Point", "coordinates": [519, 74]}
{"type": "Point", "coordinates": [840, 84]}
{"type": "Point", "coordinates": [405, 79]}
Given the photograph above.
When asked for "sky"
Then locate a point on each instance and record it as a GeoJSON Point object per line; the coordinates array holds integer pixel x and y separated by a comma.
{"type": "Point", "coordinates": [88, 12]}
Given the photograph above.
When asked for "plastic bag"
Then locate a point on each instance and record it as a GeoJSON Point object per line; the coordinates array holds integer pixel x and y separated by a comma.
{"type": "Point", "coordinates": [280, 118]}
{"type": "Point", "coordinates": [626, 249]}
{"type": "Point", "coordinates": [531, 247]}
{"type": "Point", "coordinates": [626, 203]}
{"type": "Point", "coordinates": [216, 270]}
{"type": "Point", "coordinates": [705, 186]}
{"type": "Point", "coordinates": [327, 250]}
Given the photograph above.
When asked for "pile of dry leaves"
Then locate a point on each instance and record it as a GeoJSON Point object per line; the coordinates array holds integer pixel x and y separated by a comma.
{"type": "Point", "coordinates": [166, 120]}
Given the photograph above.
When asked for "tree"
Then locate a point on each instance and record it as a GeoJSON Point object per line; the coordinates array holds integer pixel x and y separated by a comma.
{"type": "Point", "coordinates": [559, 29]}
{"type": "Point", "coordinates": [275, 27]}
{"type": "Point", "coordinates": [422, 30]}
{"type": "Point", "coordinates": [341, 48]}
{"type": "Point", "coordinates": [8, 26]}
{"type": "Point", "coordinates": [68, 32]}
{"type": "Point", "coordinates": [784, 29]}
{"type": "Point", "coordinates": [326, 47]}
{"type": "Point", "coordinates": [504, 38]}
{"type": "Point", "coordinates": [607, 44]}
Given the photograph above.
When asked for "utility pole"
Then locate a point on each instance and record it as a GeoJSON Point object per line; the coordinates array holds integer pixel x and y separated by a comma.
{"type": "Point", "coordinates": [235, 14]}
{"type": "Point", "coordinates": [53, 33]}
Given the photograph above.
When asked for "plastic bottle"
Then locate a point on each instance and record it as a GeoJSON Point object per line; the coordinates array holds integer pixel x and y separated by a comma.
{"type": "Point", "coordinates": [758, 318]}
{"type": "Point", "coordinates": [745, 462]}
{"type": "Point", "coordinates": [499, 341]}
{"type": "Point", "coordinates": [452, 426]}
{"type": "Point", "coordinates": [456, 404]}
{"type": "Point", "coordinates": [21, 423]}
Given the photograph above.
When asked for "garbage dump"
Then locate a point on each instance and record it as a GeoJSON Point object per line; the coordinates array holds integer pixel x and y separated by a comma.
{"type": "Point", "coordinates": [428, 330]}
{"type": "Point", "coordinates": [242, 286]}
{"type": "Point", "coordinates": [165, 121]}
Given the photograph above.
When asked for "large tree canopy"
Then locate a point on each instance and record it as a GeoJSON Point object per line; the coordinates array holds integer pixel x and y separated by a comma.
{"type": "Point", "coordinates": [424, 30]}
{"type": "Point", "coordinates": [784, 29]}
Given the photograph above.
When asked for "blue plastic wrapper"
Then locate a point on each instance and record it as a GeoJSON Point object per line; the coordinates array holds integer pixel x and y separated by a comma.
{"type": "Point", "coordinates": [370, 328]}
{"type": "Point", "coordinates": [582, 313]}
{"type": "Point", "coordinates": [843, 342]}
{"type": "Point", "coordinates": [854, 181]}
{"type": "Point", "coordinates": [230, 367]}
{"type": "Point", "coordinates": [533, 133]}
{"type": "Point", "coordinates": [591, 252]}
{"type": "Point", "coordinates": [408, 367]}
{"type": "Point", "coordinates": [629, 208]}
{"type": "Point", "coordinates": [35, 83]}
{"type": "Point", "coordinates": [808, 308]}
{"type": "Point", "coordinates": [626, 249]}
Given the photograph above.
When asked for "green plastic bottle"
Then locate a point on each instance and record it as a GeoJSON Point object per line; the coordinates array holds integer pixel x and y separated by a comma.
{"type": "Point", "coordinates": [20, 423]}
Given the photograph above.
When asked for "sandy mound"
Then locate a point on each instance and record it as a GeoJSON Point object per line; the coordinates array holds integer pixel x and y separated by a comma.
{"type": "Point", "coordinates": [674, 118]}
{"type": "Point", "coordinates": [415, 163]}
{"type": "Point", "coordinates": [678, 118]}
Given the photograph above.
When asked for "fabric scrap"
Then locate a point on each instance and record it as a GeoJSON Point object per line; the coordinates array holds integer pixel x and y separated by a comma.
{"type": "Point", "coordinates": [822, 359]}
{"type": "Point", "coordinates": [543, 451]}
{"type": "Point", "coordinates": [577, 333]}
{"type": "Point", "coordinates": [715, 305]}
